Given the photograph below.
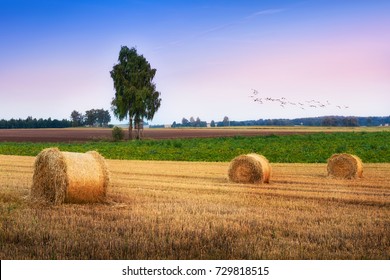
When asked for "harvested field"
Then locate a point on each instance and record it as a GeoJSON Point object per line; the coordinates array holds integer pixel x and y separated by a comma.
{"type": "Point", "coordinates": [88, 134]}
{"type": "Point", "coordinates": [189, 210]}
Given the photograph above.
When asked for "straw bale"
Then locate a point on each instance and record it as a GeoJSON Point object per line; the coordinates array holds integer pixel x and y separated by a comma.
{"type": "Point", "coordinates": [345, 166]}
{"type": "Point", "coordinates": [65, 177]}
{"type": "Point", "coordinates": [249, 169]}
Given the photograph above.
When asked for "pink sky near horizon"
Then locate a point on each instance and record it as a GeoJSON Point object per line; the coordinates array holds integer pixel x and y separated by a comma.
{"type": "Point", "coordinates": [207, 67]}
{"type": "Point", "coordinates": [347, 71]}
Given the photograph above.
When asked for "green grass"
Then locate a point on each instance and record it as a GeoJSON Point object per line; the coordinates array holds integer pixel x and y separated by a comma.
{"type": "Point", "coordinates": [310, 148]}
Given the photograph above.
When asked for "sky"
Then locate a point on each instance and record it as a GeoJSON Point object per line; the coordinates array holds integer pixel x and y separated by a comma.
{"type": "Point", "coordinates": [56, 56]}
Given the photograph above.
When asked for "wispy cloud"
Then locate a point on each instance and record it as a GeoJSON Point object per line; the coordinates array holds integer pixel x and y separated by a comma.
{"type": "Point", "coordinates": [224, 26]}
{"type": "Point", "coordinates": [244, 19]}
{"type": "Point", "coordinates": [265, 12]}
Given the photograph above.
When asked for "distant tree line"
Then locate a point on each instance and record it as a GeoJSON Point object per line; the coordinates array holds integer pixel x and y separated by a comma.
{"type": "Point", "coordinates": [319, 121]}
{"type": "Point", "coordinates": [31, 122]}
{"type": "Point", "coordinates": [224, 122]}
{"type": "Point", "coordinates": [199, 123]}
{"type": "Point", "coordinates": [350, 121]}
{"type": "Point", "coordinates": [190, 123]}
{"type": "Point", "coordinates": [93, 117]}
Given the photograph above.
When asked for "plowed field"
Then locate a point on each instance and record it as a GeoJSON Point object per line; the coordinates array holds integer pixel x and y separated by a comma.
{"type": "Point", "coordinates": [88, 134]}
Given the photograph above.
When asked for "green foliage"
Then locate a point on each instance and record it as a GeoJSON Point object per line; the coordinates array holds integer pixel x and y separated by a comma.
{"type": "Point", "coordinates": [31, 122]}
{"type": "Point", "coordinates": [136, 97]}
{"type": "Point", "coordinates": [118, 133]}
{"type": "Point", "coordinates": [97, 117]}
{"type": "Point", "coordinates": [93, 117]}
{"type": "Point", "coordinates": [300, 148]}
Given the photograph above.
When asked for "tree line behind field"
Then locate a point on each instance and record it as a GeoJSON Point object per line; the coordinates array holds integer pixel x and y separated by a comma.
{"type": "Point", "coordinates": [91, 118]}
{"type": "Point", "coordinates": [31, 122]}
{"type": "Point", "coordinates": [349, 121]}
{"type": "Point", "coordinates": [199, 123]}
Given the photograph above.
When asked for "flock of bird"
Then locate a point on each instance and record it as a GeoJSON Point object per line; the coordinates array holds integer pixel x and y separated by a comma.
{"type": "Point", "coordinates": [284, 102]}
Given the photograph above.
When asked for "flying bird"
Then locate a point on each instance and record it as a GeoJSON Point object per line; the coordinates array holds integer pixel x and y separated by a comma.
{"type": "Point", "coordinates": [284, 102]}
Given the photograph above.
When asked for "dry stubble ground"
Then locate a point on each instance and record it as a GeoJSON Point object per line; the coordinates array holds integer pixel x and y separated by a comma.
{"type": "Point", "coordinates": [182, 210]}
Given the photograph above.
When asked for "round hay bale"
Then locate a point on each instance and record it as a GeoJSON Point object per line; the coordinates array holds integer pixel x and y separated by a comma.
{"type": "Point", "coordinates": [249, 169]}
{"type": "Point", "coordinates": [345, 166]}
{"type": "Point", "coordinates": [61, 177]}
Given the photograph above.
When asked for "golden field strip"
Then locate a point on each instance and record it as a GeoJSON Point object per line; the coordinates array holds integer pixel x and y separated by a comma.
{"type": "Point", "coordinates": [189, 210]}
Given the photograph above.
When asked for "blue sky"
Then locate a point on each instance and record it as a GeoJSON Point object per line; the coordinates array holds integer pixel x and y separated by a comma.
{"type": "Point", "coordinates": [55, 56]}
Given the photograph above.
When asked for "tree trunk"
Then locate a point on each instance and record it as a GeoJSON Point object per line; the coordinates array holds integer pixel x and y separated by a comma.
{"type": "Point", "coordinates": [138, 136]}
{"type": "Point", "coordinates": [138, 127]}
{"type": "Point", "coordinates": [130, 128]}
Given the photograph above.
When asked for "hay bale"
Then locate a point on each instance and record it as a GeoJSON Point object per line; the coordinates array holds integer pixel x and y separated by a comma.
{"type": "Point", "coordinates": [249, 169]}
{"type": "Point", "coordinates": [345, 166]}
{"type": "Point", "coordinates": [69, 177]}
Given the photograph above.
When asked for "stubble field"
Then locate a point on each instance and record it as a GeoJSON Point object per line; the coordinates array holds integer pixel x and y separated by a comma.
{"type": "Point", "coordinates": [189, 210]}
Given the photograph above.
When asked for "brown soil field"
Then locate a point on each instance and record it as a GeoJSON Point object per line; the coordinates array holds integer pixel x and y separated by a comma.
{"type": "Point", "coordinates": [183, 210]}
{"type": "Point", "coordinates": [88, 134]}
{"type": "Point", "coordinates": [80, 135]}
